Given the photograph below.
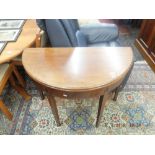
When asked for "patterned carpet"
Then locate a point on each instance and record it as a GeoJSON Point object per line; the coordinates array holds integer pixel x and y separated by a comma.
{"type": "Point", "coordinates": [132, 113]}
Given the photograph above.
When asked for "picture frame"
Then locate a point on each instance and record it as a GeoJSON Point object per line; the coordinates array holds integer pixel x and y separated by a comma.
{"type": "Point", "coordinates": [11, 23]}
{"type": "Point", "coordinates": [9, 35]}
{"type": "Point", "coordinates": [2, 45]}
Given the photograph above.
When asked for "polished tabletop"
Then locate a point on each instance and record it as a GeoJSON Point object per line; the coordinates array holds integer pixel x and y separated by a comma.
{"type": "Point", "coordinates": [77, 68]}
{"type": "Point", "coordinates": [26, 39]}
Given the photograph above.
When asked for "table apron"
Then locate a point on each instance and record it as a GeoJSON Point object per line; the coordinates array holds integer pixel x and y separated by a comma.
{"type": "Point", "coordinates": [79, 94]}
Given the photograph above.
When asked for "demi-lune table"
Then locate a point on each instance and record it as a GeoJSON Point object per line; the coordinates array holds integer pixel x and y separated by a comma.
{"type": "Point", "coordinates": [78, 72]}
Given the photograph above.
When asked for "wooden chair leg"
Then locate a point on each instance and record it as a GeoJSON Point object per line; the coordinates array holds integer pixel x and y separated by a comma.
{"type": "Point", "coordinates": [53, 105]}
{"type": "Point", "coordinates": [102, 102]}
{"type": "Point", "coordinates": [19, 89]}
{"type": "Point", "coordinates": [5, 110]}
{"type": "Point", "coordinates": [19, 77]}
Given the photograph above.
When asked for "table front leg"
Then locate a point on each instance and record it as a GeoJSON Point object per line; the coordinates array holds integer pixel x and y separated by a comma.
{"type": "Point", "coordinates": [53, 105]}
{"type": "Point", "coordinates": [102, 102]}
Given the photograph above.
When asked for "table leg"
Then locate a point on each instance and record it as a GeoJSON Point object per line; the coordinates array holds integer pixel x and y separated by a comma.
{"type": "Point", "coordinates": [53, 105]}
{"type": "Point", "coordinates": [102, 102]}
{"type": "Point", "coordinates": [40, 90]}
{"type": "Point", "coordinates": [41, 94]}
{"type": "Point", "coordinates": [116, 93]}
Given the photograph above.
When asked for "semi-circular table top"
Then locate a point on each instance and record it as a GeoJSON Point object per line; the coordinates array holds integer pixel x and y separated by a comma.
{"type": "Point", "coordinates": [77, 69]}
{"type": "Point", "coordinates": [26, 38]}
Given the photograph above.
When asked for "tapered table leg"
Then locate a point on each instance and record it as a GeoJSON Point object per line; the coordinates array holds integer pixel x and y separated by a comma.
{"type": "Point", "coordinates": [40, 90]}
{"type": "Point", "coordinates": [41, 94]}
{"type": "Point", "coordinates": [53, 105]}
{"type": "Point", "coordinates": [102, 102]}
{"type": "Point", "coordinates": [116, 93]}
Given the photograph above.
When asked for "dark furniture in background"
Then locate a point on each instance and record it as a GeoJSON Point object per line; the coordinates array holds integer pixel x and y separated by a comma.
{"type": "Point", "coordinates": [146, 41]}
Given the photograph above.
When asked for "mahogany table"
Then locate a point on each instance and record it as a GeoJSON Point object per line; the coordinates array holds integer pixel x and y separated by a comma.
{"type": "Point", "coordinates": [78, 72]}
